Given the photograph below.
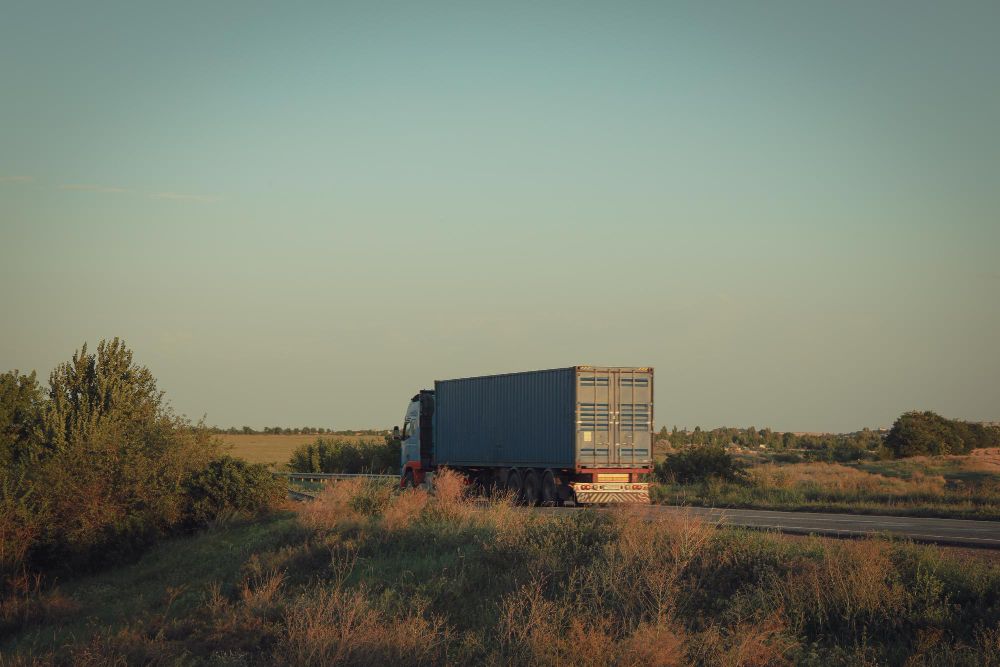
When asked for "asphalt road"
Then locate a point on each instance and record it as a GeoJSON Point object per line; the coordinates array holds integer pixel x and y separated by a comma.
{"type": "Point", "coordinates": [939, 531]}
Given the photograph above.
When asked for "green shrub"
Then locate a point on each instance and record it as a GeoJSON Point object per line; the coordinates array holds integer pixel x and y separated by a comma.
{"type": "Point", "coordinates": [345, 456]}
{"type": "Point", "coordinates": [92, 471]}
{"type": "Point", "coordinates": [698, 464]}
{"type": "Point", "coordinates": [228, 485]}
{"type": "Point", "coordinates": [787, 457]}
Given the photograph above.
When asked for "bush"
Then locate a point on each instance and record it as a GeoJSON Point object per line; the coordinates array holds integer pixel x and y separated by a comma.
{"type": "Point", "coordinates": [92, 471]}
{"type": "Point", "coordinates": [787, 457]}
{"type": "Point", "coordinates": [345, 456]}
{"type": "Point", "coordinates": [698, 464]}
{"type": "Point", "coordinates": [229, 485]}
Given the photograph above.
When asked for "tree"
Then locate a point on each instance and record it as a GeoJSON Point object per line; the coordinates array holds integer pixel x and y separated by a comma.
{"type": "Point", "coordinates": [922, 433]}
{"type": "Point", "coordinates": [21, 405]}
{"type": "Point", "coordinates": [101, 394]}
{"type": "Point", "coordinates": [788, 440]}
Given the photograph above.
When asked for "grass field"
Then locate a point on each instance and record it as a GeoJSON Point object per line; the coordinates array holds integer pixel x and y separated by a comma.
{"type": "Point", "coordinates": [939, 486]}
{"type": "Point", "coordinates": [368, 575]}
{"type": "Point", "coordinates": [276, 449]}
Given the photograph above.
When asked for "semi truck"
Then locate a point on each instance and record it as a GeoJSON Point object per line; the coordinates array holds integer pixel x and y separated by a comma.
{"type": "Point", "coordinates": [581, 435]}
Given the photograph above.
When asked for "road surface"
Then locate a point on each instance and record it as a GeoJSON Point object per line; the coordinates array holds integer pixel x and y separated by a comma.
{"type": "Point", "coordinates": [939, 531]}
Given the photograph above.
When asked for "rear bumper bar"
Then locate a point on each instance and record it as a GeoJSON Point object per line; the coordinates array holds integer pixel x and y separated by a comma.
{"type": "Point", "coordinates": [590, 494]}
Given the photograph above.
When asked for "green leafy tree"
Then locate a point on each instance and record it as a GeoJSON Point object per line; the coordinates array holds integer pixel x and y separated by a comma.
{"type": "Point", "coordinates": [101, 394]}
{"type": "Point", "coordinates": [927, 433]}
{"type": "Point", "coordinates": [21, 407]}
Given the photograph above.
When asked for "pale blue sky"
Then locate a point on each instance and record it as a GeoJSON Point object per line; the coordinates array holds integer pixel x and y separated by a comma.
{"type": "Point", "coordinates": [301, 213]}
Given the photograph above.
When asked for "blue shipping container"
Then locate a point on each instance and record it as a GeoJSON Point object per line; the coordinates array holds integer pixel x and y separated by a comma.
{"type": "Point", "coordinates": [577, 417]}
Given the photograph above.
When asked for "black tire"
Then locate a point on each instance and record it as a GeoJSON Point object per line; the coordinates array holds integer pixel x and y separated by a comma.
{"type": "Point", "coordinates": [484, 480]}
{"type": "Point", "coordinates": [408, 479]}
{"type": "Point", "coordinates": [514, 485]}
{"type": "Point", "coordinates": [532, 488]}
{"type": "Point", "coordinates": [550, 494]}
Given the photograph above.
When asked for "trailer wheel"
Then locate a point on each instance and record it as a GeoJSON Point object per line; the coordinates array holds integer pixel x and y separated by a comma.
{"type": "Point", "coordinates": [514, 486]}
{"type": "Point", "coordinates": [531, 490]}
{"type": "Point", "coordinates": [408, 479]}
{"type": "Point", "coordinates": [484, 483]}
{"type": "Point", "coordinates": [549, 492]}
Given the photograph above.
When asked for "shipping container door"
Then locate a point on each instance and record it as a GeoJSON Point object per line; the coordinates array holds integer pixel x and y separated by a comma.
{"type": "Point", "coordinates": [614, 456]}
{"type": "Point", "coordinates": [594, 437]}
{"type": "Point", "coordinates": [635, 416]}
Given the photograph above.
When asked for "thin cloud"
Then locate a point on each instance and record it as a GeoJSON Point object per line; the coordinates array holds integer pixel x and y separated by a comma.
{"type": "Point", "coordinates": [84, 187]}
{"type": "Point", "coordinates": [179, 196]}
{"type": "Point", "coordinates": [16, 179]}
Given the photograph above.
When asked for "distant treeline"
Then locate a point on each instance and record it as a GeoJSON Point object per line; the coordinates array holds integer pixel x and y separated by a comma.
{"type": "Point", "coordinates": [913, 434]}
{"type": "Point", "coordinates": [289, 430]}
{"type": "Point", "coordinates": [816, 447]}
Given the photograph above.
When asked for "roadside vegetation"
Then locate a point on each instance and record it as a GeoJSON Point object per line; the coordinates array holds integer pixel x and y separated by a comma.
{"type": "Point", "coordinates": [96, 468]}
{"type": "Point", "coordinates": [370, 575]}
{"type": "Point", "coordinates": [274, 450]}
{"type": "Point", "coordinates": [339, 455]}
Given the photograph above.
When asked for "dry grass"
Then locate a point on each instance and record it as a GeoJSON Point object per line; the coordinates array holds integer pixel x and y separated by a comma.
{"type": "Point", "coordinates": [333, 507]}
{"type": "Point", "coordinates": [379, 576]}
{"type": "Point", "coordinates": [274, 449]}
{"type": "Point", "coordinates": [843, 479]}
{"type": "Point", "coordinates": [339, 626]}
{"type": "Point", "coordinates": [852, 587]}
{"type": "Point", "coordinates": [979, 460]}
{"type": "Point", "coordinates": [938, 486]}
{"type": "Point", "coordinates": [27, 602]}
{"type": "Point", "coordinates": [451, 501]}
{"type": "Point", "coordinates": [404, 509]}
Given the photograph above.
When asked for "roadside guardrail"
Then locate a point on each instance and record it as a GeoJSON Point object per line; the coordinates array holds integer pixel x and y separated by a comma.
{"type": "Point", "coordinates": [321, 476]}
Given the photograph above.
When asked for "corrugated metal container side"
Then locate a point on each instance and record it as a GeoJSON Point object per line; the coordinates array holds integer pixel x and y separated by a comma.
{"type": "Point", "coordinates": [518, 419]}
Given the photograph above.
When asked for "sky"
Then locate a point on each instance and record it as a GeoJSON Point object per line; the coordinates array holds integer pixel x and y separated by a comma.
{"type": "Point", "coordinates": [301, 213]}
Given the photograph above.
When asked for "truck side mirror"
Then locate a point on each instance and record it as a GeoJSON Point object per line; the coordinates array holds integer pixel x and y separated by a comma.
{"type": "Point", "coordinates": [395, 433]}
